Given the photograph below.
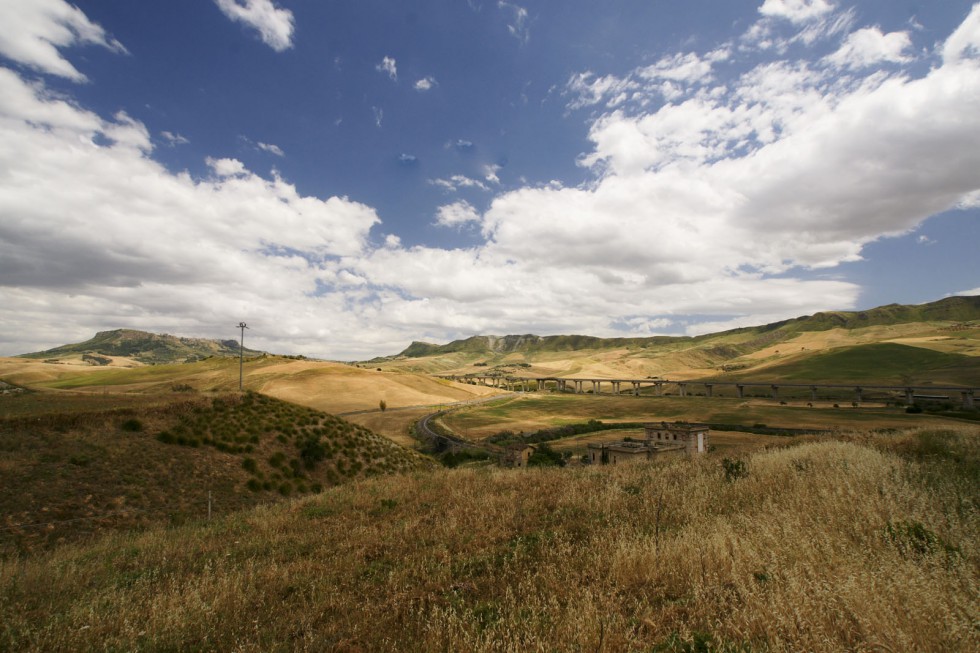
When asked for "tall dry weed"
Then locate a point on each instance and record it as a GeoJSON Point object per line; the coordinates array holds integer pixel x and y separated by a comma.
{"type": "Point", "coordinates": [827, 546]}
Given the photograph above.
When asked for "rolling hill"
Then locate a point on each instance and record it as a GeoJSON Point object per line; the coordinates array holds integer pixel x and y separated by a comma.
{"type": "Point", "coordinates": [77, 465]}
{"type": "Point", "coordinates": [948, 327]}
{"type": "Point", "coordinates": [129, 346]}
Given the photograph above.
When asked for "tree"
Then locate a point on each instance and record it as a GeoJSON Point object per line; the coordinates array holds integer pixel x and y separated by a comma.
{"type": "Point", "coordinates": [383, 405]}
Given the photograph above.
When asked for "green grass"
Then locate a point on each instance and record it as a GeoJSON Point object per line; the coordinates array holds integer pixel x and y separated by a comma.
{"type": "Point", "coordinates": [886, 363]}
{"type": "Point", "coordinates": [534, 412]}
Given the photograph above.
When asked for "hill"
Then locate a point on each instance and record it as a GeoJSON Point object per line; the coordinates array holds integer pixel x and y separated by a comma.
{"type": "Point", "coordinates": [950, 309]}
{"type": "Point", "coordinates": [902, 364]}
{"type": "Point", "coordinates": [141, 347]}
{"type": "Point", "coordinates": [866, 543]}
{"type": "Point", "coordinates": [75, 465]}
{"type": "Point", "coordinates": [949, 326]}
{"type": "Point", "coordinates": [330, 387]}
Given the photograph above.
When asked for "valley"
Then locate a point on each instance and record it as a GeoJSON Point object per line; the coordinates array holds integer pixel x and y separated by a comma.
{"type": "Point", "coordinates": [165, 505]}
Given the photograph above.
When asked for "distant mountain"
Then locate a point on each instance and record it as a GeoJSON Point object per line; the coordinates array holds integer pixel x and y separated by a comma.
{"type": "Point", "coordinates": [951, 309]}
{"type": "Point", "coordinates": [148, 348]}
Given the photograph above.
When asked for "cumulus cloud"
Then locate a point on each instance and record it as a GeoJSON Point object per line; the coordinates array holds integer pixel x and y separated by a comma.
{"type": "Point", "coordinates": [274, 24]}
{"type": "Point", "coordinates": [96, 233]}
{"type": "Point", "coordinates": [33, 31]}
{"type": "Point", "coordinates": [389, 67]}
{"type": "Point", "coordinates": [425, 84]}
{"type": "Point", "coordinates": [706, 198]}
{"type": "Point", "coordinates": [869, 46]}
{"type": "Point", "coordinates": [796, 11]}
{"type": "Point", "coordinates": [456, 214]}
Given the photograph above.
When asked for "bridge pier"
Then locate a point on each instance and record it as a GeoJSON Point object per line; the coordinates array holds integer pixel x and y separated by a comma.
{"type": "Point", "coordinates": [857, 394]}
{"type": "Point", "coordinates": [968, 399]}
{"type": "Point", "coordinates": [660, 388]}
{"type": "Point", "coordinates": [578, 387]}
{"type": "Point", "coordinates": [636, 388]}
{"type": "Point", "coordinates": [909, 396]}
{"type": "Point", "coordinates": [683, 389]}
{"type": "Point", "coordinates": [775, 392]}
{"type": "Point", "coordinates": [615, 385]}
{"type": "Point", "coordinates": [740, 391]}
{"type": "Point", "coordinates": [813, 393]}
{"type": "Point", "coordinates": [708, 389]}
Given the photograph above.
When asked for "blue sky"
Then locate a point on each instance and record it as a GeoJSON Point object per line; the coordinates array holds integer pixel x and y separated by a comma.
{"type": "Point", "coordinates": [348, 177]}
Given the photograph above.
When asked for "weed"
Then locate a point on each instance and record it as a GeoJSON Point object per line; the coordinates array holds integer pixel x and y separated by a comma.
{"type": "Point", "coordinates": [734, 469]}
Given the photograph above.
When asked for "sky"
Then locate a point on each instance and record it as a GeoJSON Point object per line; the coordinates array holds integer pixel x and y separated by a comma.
{"type": "Point", "coordinates": [348, 177]}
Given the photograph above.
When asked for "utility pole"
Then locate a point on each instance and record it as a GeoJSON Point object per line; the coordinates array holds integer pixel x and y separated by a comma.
{"type": "Point", "coordinates": [241, 357]}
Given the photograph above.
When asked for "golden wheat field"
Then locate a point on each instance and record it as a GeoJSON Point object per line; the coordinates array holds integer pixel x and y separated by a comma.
{"type": "Point", "coordinates": [867, 542]}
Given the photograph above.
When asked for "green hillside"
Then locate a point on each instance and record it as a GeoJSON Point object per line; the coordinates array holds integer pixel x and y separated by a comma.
{"type": "Point", "coordinates": [76, 465]}
{"type": "Point", "coordinates": [888, 363]}
{"type": "Point", "coordinates": [721, 346]}
{"type": "Point", "coordinates": [149, 348]}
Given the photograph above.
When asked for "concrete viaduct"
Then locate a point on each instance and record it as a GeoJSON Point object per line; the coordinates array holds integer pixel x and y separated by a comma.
{"type": "Point", "coordinates": [580, 386]}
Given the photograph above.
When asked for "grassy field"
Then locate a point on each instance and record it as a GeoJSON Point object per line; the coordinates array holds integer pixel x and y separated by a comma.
{"type": "Point", "coordinates": [532, 412]}
{"type": "Point", "coordinates": [861, 543]}
{"type": "Point", "coordinates": [889, 363]}
{"type": "Point", "coordinates": [330, 387]}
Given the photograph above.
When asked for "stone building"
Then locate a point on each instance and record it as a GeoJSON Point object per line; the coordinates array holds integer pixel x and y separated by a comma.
{"type": "Point", "coordinates": [694, 437]}
{"type": "Point", "coordinates": [662, 437]}
{"type": "Point", "coordinates": [516, 455]}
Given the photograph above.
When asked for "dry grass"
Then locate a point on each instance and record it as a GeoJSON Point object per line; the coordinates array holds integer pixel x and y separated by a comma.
{"type": "Point", "coordinates": [867, 544]}
{"type": "Point", "coordinates": [75, 466]}
{"type": "Point", "coordinates": [330, 387]}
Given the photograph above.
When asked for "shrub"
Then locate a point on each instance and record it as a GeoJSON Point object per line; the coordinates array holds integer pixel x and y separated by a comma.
{"type": "Point", "coordinates": [734, 469]}
{"type": "Point", "coordinates": [250, 465]}
{"type": "Point", "coordinates": [132, 425]}
{"type": "Point", "coordinates": [311, 450]}
{"type": "Point", "coordinates": [277, 459]}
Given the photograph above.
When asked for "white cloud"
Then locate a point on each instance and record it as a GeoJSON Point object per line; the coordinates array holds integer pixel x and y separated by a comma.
{"type": "Point", "coordinates": [687, 68]}
{"type": "Point", "coordinates": [274, 24]}
{"type": "Point", "coordinates": [868, 46]}
{"type": "Point", "coordinates": [173, 139]}
{"type": "Point", "coordinates": [968, 293]}
{"type": "Point", "coordinates": [379, 116]}
{"type": "Point", "coordinates": [389, 67]}
{"type": "Point", "coordinates": [226, 167]}
{"type": "Point", "coordinates": [519, 27]}
{"type": "Point", "coordinates": [456, 214]}
{"type": "Point", "coordinates": [96, 234]}
{"type": "Point", "coordinates": [271, 149]}
{"type": "Point", "coordinates": [32, 31]}
{"type": "Point", "coordinates": [425, 84]}
{"type": "Point", "coordinates": [708, 199]}
{"type": "Point", "coordinates": [456, 182]}
{"type": "Point", "coordinates": [490, 173]}
{"type": "Point", "coordinates": [590, 90]}
{"type": "Point", "coordinates": [796, 11]}
{"type": "Point", "coordinates": [965, 41]}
